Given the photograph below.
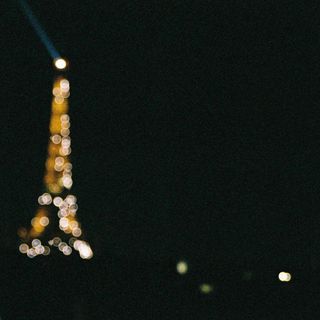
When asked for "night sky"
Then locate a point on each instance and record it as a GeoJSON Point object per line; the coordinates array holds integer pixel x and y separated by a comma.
{"type": "Point", "coordinates": [195, 135]}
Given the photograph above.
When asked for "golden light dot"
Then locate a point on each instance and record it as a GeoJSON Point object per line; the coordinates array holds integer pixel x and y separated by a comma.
{"type": "Point", "coordinates": [46, 251]}
{"type": "Point", "coordinates": [206, 288]}
{"type": "Point", "coordinates": [64, 117]}
{"type": "Point", "coordinates": [65, 132]}
{"type": "Point", "coordinates": [284, 276]}
{"type": "Point", "coordinates": [58, 100]}
{"type": "Point", "coordinates": [23, 248]}
{"type": "Point", "coordinates": [56, 92]}
{"type": "Point", "coordinates": [76, 232]}
{"type": "Point", "coordinates": [60, 63]}
{"type": "Point", "coordinates": [56, 139]}
{"type": "Point", "coordinates": [182, 267]}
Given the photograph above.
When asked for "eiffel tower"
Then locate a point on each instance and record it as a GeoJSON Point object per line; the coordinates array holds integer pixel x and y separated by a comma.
{"type": "Point", "coordinates": [55, 224]}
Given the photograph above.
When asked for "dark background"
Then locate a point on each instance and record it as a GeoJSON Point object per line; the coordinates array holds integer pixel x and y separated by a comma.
{"type": "Point", "coordinates": [195, 136]}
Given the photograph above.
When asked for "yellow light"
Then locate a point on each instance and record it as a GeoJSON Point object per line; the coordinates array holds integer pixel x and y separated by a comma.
{"type": "Point", "coordinates": [182, 267]}
{"type": "Point", "coordinates": [23, 248]}
{"type": "Point", "coordinates": [76, 232]}
{"type": "Point", "coordinates": [206, 288]}
{"type": "Point", "coordinates": [284, 276]}
{"type": "Point", "coordinates": [60, 63]}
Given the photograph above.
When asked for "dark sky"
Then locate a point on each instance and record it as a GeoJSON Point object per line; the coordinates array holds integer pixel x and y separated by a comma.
{"type": "Point", "coordinates": [195, 125]}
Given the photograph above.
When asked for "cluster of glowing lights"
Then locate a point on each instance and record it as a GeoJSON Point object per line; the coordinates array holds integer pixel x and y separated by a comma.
{"type": "Point", "coordinates": [58, 181]}
{"type": "Point", "coordinates": [36, 248]}
{"type": "Point", "coordinates": [284, 276]}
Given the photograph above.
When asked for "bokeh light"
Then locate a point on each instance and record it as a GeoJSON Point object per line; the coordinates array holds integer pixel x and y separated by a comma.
{"type": "Point", "coordinates": [60, 63]}
{"type": "Point", "coordinates": [284, 276]}
{"type": "Point", "coordinates": [182, 267]}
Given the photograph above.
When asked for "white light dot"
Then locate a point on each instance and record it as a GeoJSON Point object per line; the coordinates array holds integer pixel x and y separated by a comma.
{"type": "Point", "coordinates": [36, 243]}
{"type": "Point", "coordinates": [67, 250]}
{"type": "Point", "coordinates": [182, 267]}
{"type": "Point", "coordinates": [57, 201]}
{"type": "Point", "coordinates": [85, 250]}
{"type": "Point", "coordinates": [60, 63]}
{"type": "Point", "coordinates": [64, 223]}
{"type": "Point", "coordinates": [76, 232]}
{"type": "Point", "coordinates": [67, 181]}
{"type": "Point", "coordinates": [44, 221]}
{"type": "Point", "coordinates": [284, 276]}
{"type": "Point", "coordinates": [31, 253]}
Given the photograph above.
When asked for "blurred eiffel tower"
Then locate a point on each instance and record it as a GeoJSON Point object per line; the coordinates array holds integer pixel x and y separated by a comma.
{"type": "Point", "coordinates": [55, 224]}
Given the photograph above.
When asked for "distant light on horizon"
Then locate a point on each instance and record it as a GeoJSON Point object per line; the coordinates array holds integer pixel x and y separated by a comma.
{"type": "Point", "coordinates": [284, 276]}
{"type": "Point", "coordinates": [60, 63]}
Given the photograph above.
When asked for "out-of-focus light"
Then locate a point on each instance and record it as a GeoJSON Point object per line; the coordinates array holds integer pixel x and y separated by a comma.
{"type": "Point", "coordinates": [59, 161]}
{"type": "Point", "coordinates": [284, 276]}
{"type": "Point", "coordinates": [206, 288]}
{"type": "Point", "coordinates": [58, 100]}
{"type": "Point", "coordinates": [66, 142]}
{"type": "Point", "coordinates": [67, 250]}
{"type": "Point", "coordinates": [182, 267]}
{"type": "Point", "coordinates": [72, 241]}
{"type": "Point", "coordinates": [46, 251]}
{"type": "Point", "coordinates": [39, 249]}
{"type": "Point", "coordinates": [60, 63]}
{"type": "Point", "coordinates": [64, 117]}
{"type": "Point", "coordinates": [36, 243]}
{"type": "Point", "coordinates": [64, 223]}
{"type": "Point", "coordinates": [56, 241]}
{"type": "Point", "coordinates": [71, 199]}
{"type": "Point", "coordinates": [56, 139]}
{"type": "Point", "coordinates": [83, 248]}
{"type": "Point", "coordinates": [57, 201]}
{"type": "Point", "coordinates": [44, 221]}
{"type": "Point", "coordinates": [64, 85]}
{"type": "Point", "coordinates": [23, 248]}
{"type": "Point", "coordinates": [67, 181]}
{"type": "Point", "coordinates": [76, 232]}
{"type": "Point", "coordinates": [65, 132]}
{"type": "Point", "coordinates": [62, 245]}
{"type": "Point", "coordinates": [31, 253]}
